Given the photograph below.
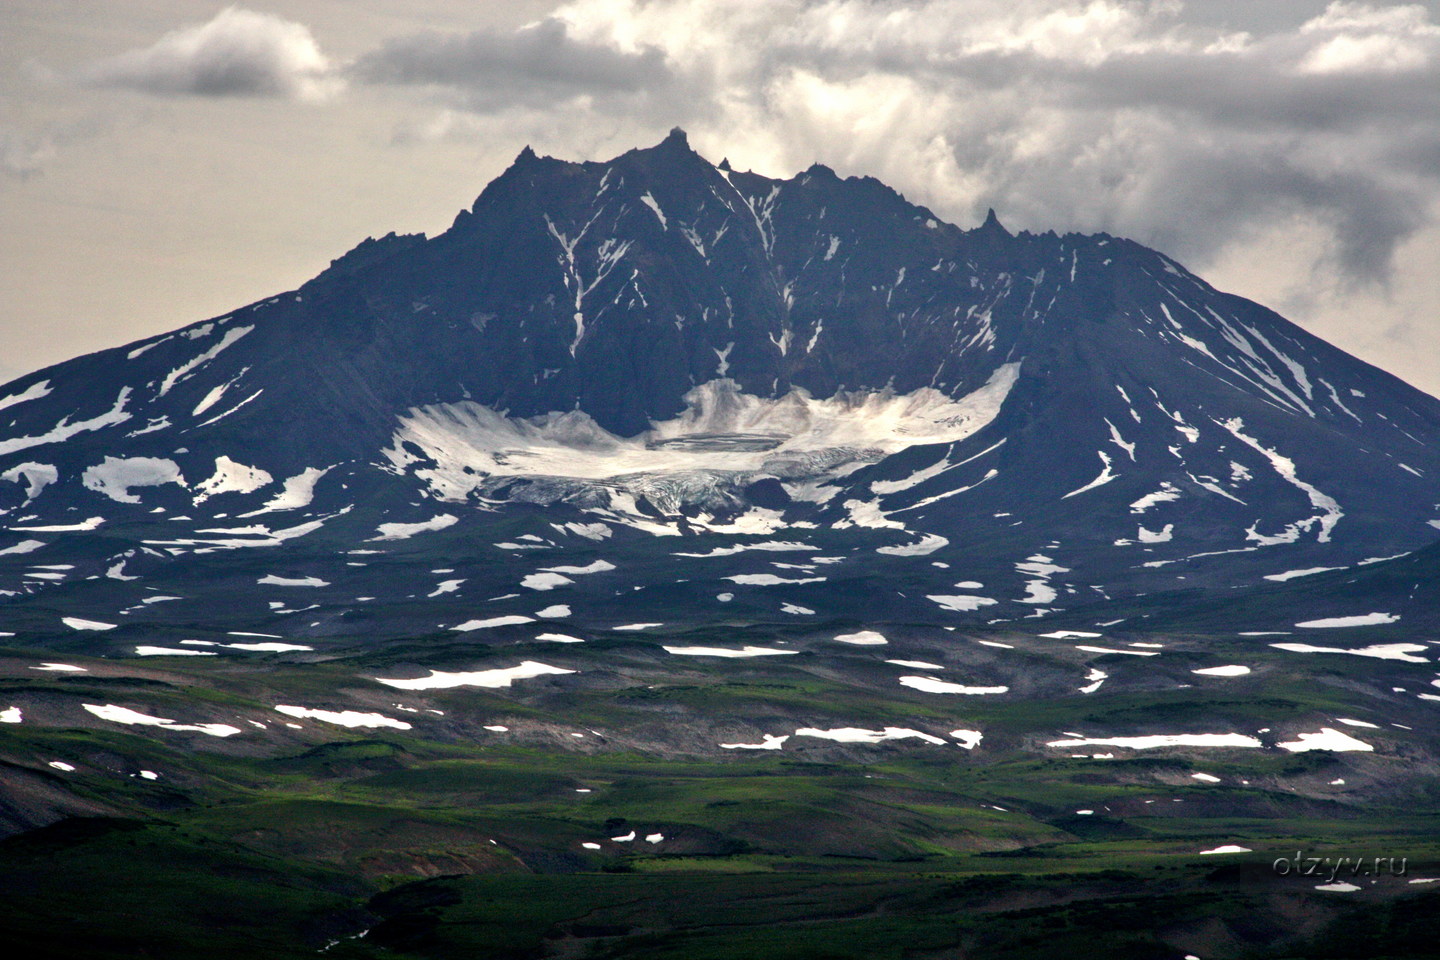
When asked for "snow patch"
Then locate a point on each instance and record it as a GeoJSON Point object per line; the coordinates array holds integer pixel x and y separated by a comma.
{"type": "Point", "coordinates": [747, 651]}
{"type": "Point", "coordinates": [507, 621]}
{"type": "Point", "coordinates": [770, 742]}
{"type": "Point", "coordinates": [1229, 670]}
{"type": "Point", "coordinates": [78, 623]}
{"type": "Point", "coordinates": [1163, 740]}
{"type": "Point", "coordinates": [343, 718]}
{"type": "Point", "coordinates": [864, 638]}
{"type": "Point", "coordinates": [403, 531]}
{"type": "Point", "coordinates": [860, 735]}
{"type": "Point", "coordinates": [494, 679]}
{"type": "Point", "coordinates": [114, 476]}
{"type": "Point", "coordinates": [124, 715]}
{"type": "Point", "coordinates": [1327, 739]}
{"type": "Point", "coordinates": [1360, 620]}
{"type": "Point", "coordinates": [232, 477]}
{"type": "Point", "coordinates": [35, 476]}
{"type": "Point", "coordinates": [931, 685]}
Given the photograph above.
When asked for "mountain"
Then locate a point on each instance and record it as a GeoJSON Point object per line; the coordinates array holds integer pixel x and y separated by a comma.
{"type": "Point", "coordinates": [669, 561]}
{"type": "Point", "coordinates": [801, 398]}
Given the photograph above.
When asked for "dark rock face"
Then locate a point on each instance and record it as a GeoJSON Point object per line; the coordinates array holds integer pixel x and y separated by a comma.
{"type": "Point", "coordinates": [661, 348]}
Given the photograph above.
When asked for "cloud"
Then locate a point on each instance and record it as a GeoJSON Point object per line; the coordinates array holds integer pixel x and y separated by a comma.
{"type": "Point", "coordinates": [1117, 115]}
{"type": "Point", "coordinates": [538, 65]}
{"type": "Point", "coordinates": [239, 53]}
{"type": "Point", "coordinates": [23, 155]}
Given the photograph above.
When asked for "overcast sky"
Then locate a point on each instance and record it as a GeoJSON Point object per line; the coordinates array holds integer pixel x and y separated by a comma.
{"type": "Point", "coordinates": [163, 161]}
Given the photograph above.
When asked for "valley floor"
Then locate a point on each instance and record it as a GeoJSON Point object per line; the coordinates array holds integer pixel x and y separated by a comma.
{"type": "Point", "coordinates": [657, 804]}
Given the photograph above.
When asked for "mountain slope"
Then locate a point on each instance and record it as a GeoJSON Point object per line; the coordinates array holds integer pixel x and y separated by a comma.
{"type": "Point", "coordinates": [676, 373]}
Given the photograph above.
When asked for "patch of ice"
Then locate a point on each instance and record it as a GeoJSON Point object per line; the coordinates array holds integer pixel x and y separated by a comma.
{"type": "Point", "coordinates": [60, 668]}
{"type": "Point", "coordinates": [78, 623]}
{"type": "Point", "coordinates": [558, 638]}
{"type": "Point", "coordinates": [24, 546]}
{"type": "Point", "coordinates": [1133, 653]}
{"type": "Point", "coordinates": [265, 647]}
{"type": "Point", "coordinates": [637, 626]}
{"type": "Point", "coordinates": [927, 545]}
{"type": "Point", "coordinates": [772, 545]}
{"type": "Point", "coordinates": [859, 735]}
{"type": "Point", "coordinates": [931, 685]}
{"type": "Point", "coordinates": [124, 715]}
{"type": "Point", "coordinates": [91, 523]}
{"type": "Point", "coordinates": [597, 566]}
{"type": "Point", "coordinates": [769, 742]}
{"type": "Point", "coordinates": [35, 476]}
{"type": "Point", "coordinates": [297, 492]}
{"type": "Point", "coordinates": [444, 587]}
{"type": "Point", "coordinates": [1330, 512]}
{"type": "Point", "coordinates": [1327, 739]}
{"type": "Point", "coordinates": [1167, 492]}
{"type": "Point", "coordinates": [1229, 670]}
{"type": "Point", "coordinates": [344, 718]}
{"type": "Point", "coordinates": [1070, 635]}
{"type": "Point", "coordinates": [1380, 651]}
{"type": "Point", "coordinates": [502, 677]}
{"type": "Point", "coordinates": [146, 651]}
{"type": "Point", "coordinates": [33, 392]}
{"type": "Point", "coordinates": [1359, 620]}
{"type": "Point", "coordinates": [231, 477]}
{"type": "Point", "coordinates": [571, 444]}
{"type": "Point", "coordinates": [1207, 778]}
{"type": "Point", "coordinates": [1296, 574]}
{"type": "Point", "coordinates": [1163, 740]}
{"type": "Point", "coordinates": [11, 715]}
{"type": "Point", "coordinates": [1105, 477]}
{"type": "Point", "coordinates": [506, 621]}
{"type": "Point", "coordinates": [114, 476]}
{"type": "Point", "coordinates": [403, 531]}
{"type": "Point", "coordinates": [274, 580]}
{"type": "Point", "coordinates": [969, 739]}
{"type": "Point", "coordinates": [1226, 848]}
{"type": "Point", "coordinates": [1341, 887]}
{"type": "Point", "coordinates": [864, 638]}
{"type": "Point", "coordinates": [187, 368]}
{"type": "Point", "coordinates": [62, 765]}
{"type": "Point", "coordinates": [747, 651]}
{"type": "Point", "coordinates": [961, 603]}
{"type": "Point", "coordinates": [770, 579]}
{"type": "Point", "coordinates": [64, 430]}
{"type": "Point", "coordinates": [916, 664]}
{"type": "Point", "coordinates": [545, 581]}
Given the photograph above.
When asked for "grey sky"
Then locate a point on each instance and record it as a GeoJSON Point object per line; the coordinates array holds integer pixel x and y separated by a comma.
{"type": "Point", "coordinates": [162, 161]}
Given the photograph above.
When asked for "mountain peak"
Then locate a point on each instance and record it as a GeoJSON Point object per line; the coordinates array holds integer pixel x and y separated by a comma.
{"type": "Point", "coordinates": [992, 224]}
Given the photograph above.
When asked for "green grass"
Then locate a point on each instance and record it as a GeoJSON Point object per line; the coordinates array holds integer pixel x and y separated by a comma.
{"type": "Point", "coordinates": [273, 844]}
